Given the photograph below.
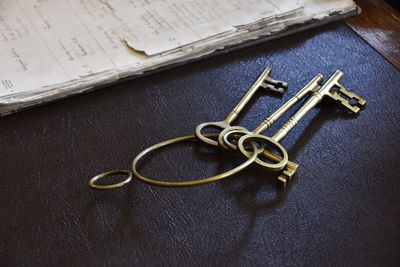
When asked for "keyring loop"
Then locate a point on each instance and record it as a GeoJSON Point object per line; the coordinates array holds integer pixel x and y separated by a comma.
{"type": "Point", "coordinates": [189, 183]}
{"type": "Point", "coordinates": [214, 124]}
{"type": "Point", "coordinates": [111, 186]}
{"type": "Point", "coordinates": [253, 137]}
{"type": "Point", "coordinates": [223, 136]}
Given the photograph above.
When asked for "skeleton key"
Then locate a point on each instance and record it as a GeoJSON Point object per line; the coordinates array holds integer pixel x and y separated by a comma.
{"type": "Point", "coordinates": [313, 85]}
{"type": "Point", "coordinates": [291, 167]}
{"type": "Point", "coordinates": [331, 88]}
{"type": "Point", "coordinates": [263, 81]}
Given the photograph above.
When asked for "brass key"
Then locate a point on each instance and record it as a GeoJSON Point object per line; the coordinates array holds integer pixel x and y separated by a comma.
{"type": "Point", "coordinates": [264, 81]}
{"type": "Point", "coordinates": [331, 88]}
{"type": "Point", "coordinates": [291, 167]}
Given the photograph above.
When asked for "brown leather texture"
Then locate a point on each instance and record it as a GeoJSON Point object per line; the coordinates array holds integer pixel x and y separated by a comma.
{"type": "Point", "coordinates": [342, 209]}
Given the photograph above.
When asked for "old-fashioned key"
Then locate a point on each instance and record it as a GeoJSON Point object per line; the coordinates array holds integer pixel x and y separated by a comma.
{"type": "Point", "coordinates": [313, 85]}
{"type": "Point", "coordinates": [264, 81]}
{"type": "Point", "coordinates": [331, 88]}
{"type": "Point", "coordinates": [290, 167]}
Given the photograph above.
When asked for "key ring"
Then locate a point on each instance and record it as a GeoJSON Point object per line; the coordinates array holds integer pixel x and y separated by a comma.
{"type": "Point", "coordinates": [254, 137]}
{"type": "Point", "coordinates": [110, 173]}
{"type": "Point", "coordinates": [226, 174]}
{"type": "Point", "coordinates": [332, 88]}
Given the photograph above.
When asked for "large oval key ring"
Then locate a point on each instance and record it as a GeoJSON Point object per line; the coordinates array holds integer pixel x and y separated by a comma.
{"type": "Point", "coordinates": [235, 170]}
{"type": "Point", "coordinates": [251, 159]}
{"type": "Point", "coordinates": [265, 139]}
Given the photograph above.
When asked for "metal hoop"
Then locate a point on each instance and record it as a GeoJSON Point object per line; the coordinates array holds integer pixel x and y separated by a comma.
{"type": "Point", "coordinates": [253, 137]}
{"type": "Point", "coordinates": [111, 186]}
{"type": "Point", "coordinates": [235, 170]}
{"type": "Point", "coordinates": [216, 125]}
{"type": "Point", "coordinates": [223, 136]}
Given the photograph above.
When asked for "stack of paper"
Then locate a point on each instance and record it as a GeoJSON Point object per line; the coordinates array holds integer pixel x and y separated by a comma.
{"type": "Point", "coordinates": [51, 49]}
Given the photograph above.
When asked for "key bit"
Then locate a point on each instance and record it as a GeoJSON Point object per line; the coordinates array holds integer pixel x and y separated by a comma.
{"type": "Point", "coordinates": [345, 98]}
{"type": "Point", "coordinates": [266, 82]}
{"type": "Point", "coordinates": [337, 92]}
{"type": "Point", "coordinates": [287, 174]}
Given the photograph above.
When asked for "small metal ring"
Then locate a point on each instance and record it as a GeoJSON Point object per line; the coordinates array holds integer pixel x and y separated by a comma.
{"type": "Point", "coordinates": [215, 124]}
{"type": "Point", "coordinates": [111, 186]}
{"type": "Point", "coordinates": [252, 137]}
{"type": "Point", "coordinates": [231, 172]}
{"type": "Point", "coordinates": [223, 136]}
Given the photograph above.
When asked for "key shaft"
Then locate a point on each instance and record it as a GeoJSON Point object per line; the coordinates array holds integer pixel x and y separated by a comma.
{"type": "Point", "coordinates": [312, 86]}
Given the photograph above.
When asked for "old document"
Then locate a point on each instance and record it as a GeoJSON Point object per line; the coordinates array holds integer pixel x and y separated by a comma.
{"type": "Point", "coordinates": [50, 49]}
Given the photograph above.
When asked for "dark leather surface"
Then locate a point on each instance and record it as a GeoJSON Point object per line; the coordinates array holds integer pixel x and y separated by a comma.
{"type": "Point", "coordinates": [342, 208]}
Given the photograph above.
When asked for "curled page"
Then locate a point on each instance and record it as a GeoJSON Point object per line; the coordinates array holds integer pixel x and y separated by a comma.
{"type": "Point", "coordinates": [51, 49]}
{"type": "Point", "coordinates": [160, 26]}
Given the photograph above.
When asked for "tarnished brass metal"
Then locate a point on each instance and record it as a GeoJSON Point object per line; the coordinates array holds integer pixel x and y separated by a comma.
{"type": "Point", "coordinates": [147, 151]}
{"type": "Point", "coordinates": [331, 88]}
{"type": "Point", "coordinates": [290, 167]}
{"type": "Point", "coordinates": [110, 173]}
{"type": "Point", "coordinates": [313, 85]}
{"type": "Point", "coordinates": [231, 172]}
{"type": "Point", "coordinates": [252, 144]}
{"type": "Point", "coordinates": [264, 81]}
